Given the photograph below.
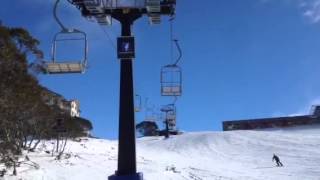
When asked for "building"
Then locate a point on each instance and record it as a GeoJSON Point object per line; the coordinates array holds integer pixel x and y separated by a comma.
{"type": "Point", "coordinates": [71, 107]}
{"type": "Point", "coordinates": [74, 108]}
{"type": "Point", "coordinates": [67, 107]}
{"type": "Point", "coordinates": [278, 122]}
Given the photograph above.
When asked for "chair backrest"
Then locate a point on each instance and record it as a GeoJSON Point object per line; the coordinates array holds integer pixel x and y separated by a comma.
{"type": "Point", "coordinates": [70, 35]}
{"type": "Point", "coordinates": [171, 81]}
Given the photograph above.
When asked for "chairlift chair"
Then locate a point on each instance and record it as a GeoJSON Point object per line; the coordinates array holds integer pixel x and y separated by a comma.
{"type": "Point", "coordinates": [153, 8]}
{"type": "Point", "coordinates": [138, 103]}
{"type": "Point", "coordinates": [170, 117]}
{"type": "Point", "coordinates": [171, 80]}
{"type": "Point", "coordinates": [67, 66]}
{"type": "Point", "coordinates": [150, 114]}
{"type": "Point", "coordinates": [154, 19]}
{"type": "Point", "coordinates": [151, 117]}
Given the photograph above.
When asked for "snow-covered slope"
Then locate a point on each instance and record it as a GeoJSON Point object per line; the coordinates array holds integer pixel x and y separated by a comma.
{"type": "Point", "coordinates": [236, 155]}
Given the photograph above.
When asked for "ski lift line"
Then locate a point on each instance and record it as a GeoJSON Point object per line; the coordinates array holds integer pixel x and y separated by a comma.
{"type": "Point", "coordinates": [138, 107]}
{"type": "Point", "coordinates": [171, 38]}
{"type": "Point", "coordinates": [146, 103]}
{"type": "Point", "coordinates": [109, 38]}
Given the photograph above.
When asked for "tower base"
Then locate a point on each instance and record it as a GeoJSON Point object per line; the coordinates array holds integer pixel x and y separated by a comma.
{"type": "Point", "coordinates": [137, 176]}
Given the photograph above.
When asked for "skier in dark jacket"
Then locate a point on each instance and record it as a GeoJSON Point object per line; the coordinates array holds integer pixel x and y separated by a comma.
{"type": "Point", "coordinates": [277, 159]}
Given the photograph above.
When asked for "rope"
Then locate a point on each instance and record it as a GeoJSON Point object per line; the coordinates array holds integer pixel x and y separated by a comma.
{"type": "Point", "coordinates": [171, 38]}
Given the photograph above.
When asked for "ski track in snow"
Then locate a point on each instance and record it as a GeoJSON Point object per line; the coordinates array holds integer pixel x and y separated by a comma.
{"type": "Point", "coordinates": [234, 155]}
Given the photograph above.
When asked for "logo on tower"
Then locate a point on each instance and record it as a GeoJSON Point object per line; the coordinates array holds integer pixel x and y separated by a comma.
{"type": "Point", "coordinates": [126, 49]}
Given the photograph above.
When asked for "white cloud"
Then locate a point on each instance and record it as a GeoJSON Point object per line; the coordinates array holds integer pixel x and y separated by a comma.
{"type": "Point", "coordinates": [306, 109]}
{"type": "Point", "coordinates": [311, 9]}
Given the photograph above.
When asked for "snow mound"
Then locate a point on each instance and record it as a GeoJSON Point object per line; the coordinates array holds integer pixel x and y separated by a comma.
{"type": "Point", "coordinates": [234, 155]}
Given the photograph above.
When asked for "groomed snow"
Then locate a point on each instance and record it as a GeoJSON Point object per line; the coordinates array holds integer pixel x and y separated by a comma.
{"type": "Point", "coordinates": [234, 155]}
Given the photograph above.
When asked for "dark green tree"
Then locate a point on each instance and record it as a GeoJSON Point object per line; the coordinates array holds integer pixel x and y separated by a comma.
{"type": "Point", "coordinates": [25, 115]}
{"type": "Point", "coordinates": [20, 98]}
{"type": "Point", "coordinates": [147, 128]}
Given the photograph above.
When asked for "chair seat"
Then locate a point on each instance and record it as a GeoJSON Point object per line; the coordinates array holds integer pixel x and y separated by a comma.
{"type": "Point", "coordinates": [154, 19]}
{"type": "Point", "coordinates": [64, 68]}
{"type": "Point", "coordinates": [171, 91]}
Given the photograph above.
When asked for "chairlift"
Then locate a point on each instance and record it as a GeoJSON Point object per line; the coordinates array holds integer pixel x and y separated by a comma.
{"type": "Point", "coordinates": [151, 118]}
{"type": "Point", "coordinates": [138, 103]}
{"type": "Point", "coordinates": [170, 116]}
{"type": "Point", "coordinates": [168, 108]}
{"type": "Point", "coordinates": [172, 119]}
{"type": "Point", "coordinates": [67, 66]}
{"type": "Point", "coordinates": [66, 35]}
{"type": "Point", "coordinates": [154, 19]}
{"type": "Point", "coordinates": [171, 75]}
{"type": "Point", "coordinates": [150, 115]}
{"type": "Point", "coordinates": [171, 80]}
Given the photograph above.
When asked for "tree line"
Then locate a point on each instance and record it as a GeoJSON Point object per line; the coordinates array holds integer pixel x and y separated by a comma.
{"type": "Point", "coordinates": [25, 117]}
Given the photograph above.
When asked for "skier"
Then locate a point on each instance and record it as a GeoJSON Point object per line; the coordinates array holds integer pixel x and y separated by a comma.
{"type": "Point", "coordinates": [277, 159]}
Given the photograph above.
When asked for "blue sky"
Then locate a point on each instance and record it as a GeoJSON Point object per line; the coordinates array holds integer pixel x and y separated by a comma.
{"type": "Point", "coordinates": [241, 59]}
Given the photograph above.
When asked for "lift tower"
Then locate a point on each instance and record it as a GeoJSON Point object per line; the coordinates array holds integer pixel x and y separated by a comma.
{"type": "Point", "coordinates": [101, 10]}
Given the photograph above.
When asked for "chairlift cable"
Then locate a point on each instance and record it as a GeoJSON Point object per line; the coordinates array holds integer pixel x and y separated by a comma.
{"type": "Point", "coordinates": [108, 37]}
{"type": "Point", "coordinates": [171, 38]}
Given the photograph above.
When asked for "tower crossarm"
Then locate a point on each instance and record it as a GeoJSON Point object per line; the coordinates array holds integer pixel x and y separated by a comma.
{"type": "Point", "coordinates": [167, 7]}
